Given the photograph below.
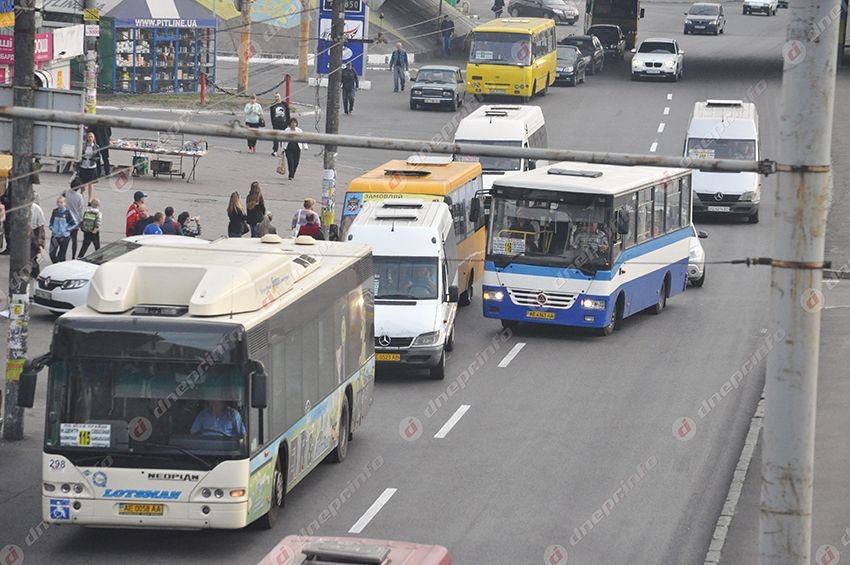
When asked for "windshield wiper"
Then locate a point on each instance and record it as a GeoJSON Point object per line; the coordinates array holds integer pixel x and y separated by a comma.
{"type": "Point", "coordinates": [505, 264]}
{"type": "Point", "coordinates": [182, 450]}
{"type": "Point", "coordinates": [395, 297]}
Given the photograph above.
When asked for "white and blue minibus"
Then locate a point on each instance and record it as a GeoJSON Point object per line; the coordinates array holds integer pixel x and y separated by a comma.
{"type": "Point", "coordinates": [586, 245]}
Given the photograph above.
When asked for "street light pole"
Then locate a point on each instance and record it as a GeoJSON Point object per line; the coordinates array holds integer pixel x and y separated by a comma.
{"type": "Point", "coordinates": [19, 218]}
{"type": "Point", "coordinates": [802, 201]}
{"type": "Point", "coordinates": [332, 111]}
{"type": "Point", "coordinates": [244, 46]}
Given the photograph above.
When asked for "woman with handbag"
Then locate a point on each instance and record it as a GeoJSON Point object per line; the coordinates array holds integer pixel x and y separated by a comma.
{"type": "Point", "coordinates": [293, 149]}
{"type": "Point", "coordinates": [253, 119]}
{"type": "Point", "coordinates": [238, 225]}
{"type": "Point", "coordinates": [89, 165]}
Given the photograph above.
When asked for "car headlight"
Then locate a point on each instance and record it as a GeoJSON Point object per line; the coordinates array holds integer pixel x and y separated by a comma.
{"type": "Point", "coordinates": [670, 64]}
{"type": "Point", "coordinates": [430, 338]}
{"type": "Point", "coordinates": [496, 295]}
{"type": "Point", "coordinates": [696, 253]}
{"type": "Point", "coordinates": [447, 93]}
{"type": "Point", "coordinates": [635, 63]}
{"type": "Point", "coordinates": [74, 283]}
{"type": "Point", "coordinates": [592, 304]}
{"type": "Point", "coordinates": [750, 195]}
{"type": "Point", "coordinates": [416, 91]}
{"type": "Point", "coordinates": [568, 69]}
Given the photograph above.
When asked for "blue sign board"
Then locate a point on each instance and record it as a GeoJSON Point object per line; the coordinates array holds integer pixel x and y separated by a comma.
{"type": "Point", "coordinates": [356, 30]}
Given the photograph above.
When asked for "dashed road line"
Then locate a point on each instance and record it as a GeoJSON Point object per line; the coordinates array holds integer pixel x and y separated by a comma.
{"type": "Point", "coordinates": [653, 147]}
{"type": "Point", "coordinates": [667, 110]}
{"type": "Point", "coordinates": [511, 354]}
{"type": "Point", "coordinates": [661, 127]}
{"type": "Point", "coordinates": [669, 96]}
{"type": "Point", "coordinates": [447, 427]}
{"type": "Point", "coordinates": [372, 511]}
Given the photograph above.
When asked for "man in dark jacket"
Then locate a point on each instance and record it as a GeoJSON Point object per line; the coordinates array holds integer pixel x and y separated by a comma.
{"type": "Point", "coordinates": [447, 30]}
{"type": "Point", "coordinates": [350, 83]}
{"type": "Point", "coordinates": [102, 135]}
{"type": "Point", "coordinates": [398, 66]}
{"type": "Point", "coordinates": [279, 119]}
{"type": "Point", "coordinates": [145, 219]}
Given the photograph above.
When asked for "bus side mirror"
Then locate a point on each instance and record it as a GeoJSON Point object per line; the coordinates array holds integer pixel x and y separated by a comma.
{"type": "Point", "coordinates": [532, 164]}
{"type": "Point", "coordinates": [29, 379]}
{"type": "Point", "coordinates": [454, 294]}
{"type": "Point", "coordinates": [259, 386]}
{"type": "Point", "coordinates": [642, 12]}
{"type": "Point", "coordinates": [474, 210]}
{"type": "Point", "coordinates": [702, 235]}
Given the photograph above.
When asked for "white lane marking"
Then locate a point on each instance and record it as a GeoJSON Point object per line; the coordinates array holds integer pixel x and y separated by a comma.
{"type": "Point", "coordinates": [447, 427]}
{"type": "Point", "coordinates": [669, 96]}
{"type": "Point", "coordinates": [667, 111]}
{"type": "Point", "coordinates": [372, 511]}
{"type": "Point", "coordinates": [511, 354]}
{"type": "Point", "coordinates": [653, 147]}
{"type": "Point", "coordinates": [661, 127]}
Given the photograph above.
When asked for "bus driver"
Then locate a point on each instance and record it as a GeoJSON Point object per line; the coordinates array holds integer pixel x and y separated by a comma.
{"type": "Point", "coordinates": [218, 419]}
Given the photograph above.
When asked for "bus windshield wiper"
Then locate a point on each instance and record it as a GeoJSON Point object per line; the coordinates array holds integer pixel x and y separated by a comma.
{"type": "Point", "coordinates": [182, 450]}
{"type": "Point", "coordinates": [395, 297]}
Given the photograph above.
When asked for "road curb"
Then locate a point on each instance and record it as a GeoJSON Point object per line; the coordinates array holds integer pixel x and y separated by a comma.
{"type": "Point", "coordinates": [724, 521]}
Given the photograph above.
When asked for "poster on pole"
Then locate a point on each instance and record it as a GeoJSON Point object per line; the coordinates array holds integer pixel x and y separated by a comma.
{"type": "Point", "coordinates": [355, 30]}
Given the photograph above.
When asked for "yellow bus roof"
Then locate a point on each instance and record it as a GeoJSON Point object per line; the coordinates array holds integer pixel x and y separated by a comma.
{"type": "Point", "coordinates": [516, 25]}
{"type": "Point", "coordinates": [403, 177]}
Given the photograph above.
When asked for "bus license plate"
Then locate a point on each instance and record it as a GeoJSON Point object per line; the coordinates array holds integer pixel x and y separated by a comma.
{"type": "Point", "coordinates": [540, 315]}
{"type": "Point", "coordinates": [388, 356]}
{"type": "Point", "coordinates": [497, 91]}
{"type": "Point", "coordinates": [718, 208]}
{"type": "Point", "coordinates": [136, 509]}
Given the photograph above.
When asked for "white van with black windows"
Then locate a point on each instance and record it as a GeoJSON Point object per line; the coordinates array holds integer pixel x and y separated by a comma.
{"type": "Point", "coordinates": [725, 129]}
{"type": "Point", "coordinates": [415, 259]}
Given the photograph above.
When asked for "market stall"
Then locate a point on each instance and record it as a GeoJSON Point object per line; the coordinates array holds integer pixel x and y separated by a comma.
{"type": "Point", "coordinates": [149, 155]}
{"type": "Point", "coordinates": [158, 49]}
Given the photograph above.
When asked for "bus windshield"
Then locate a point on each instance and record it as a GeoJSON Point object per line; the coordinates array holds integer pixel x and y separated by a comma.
{"type": "Point", "coordinates": [405, 278]}
{"type": "Point", "coordinates": [149, 399]}
{"type": "Point", "coordinates": [712, 148]}
{"type": "Point", "coordinates": [557, 231]}
{"type": "Point", "coordinates": [494, 163]}
{"type": "Point", "coordinates": [500, 48]}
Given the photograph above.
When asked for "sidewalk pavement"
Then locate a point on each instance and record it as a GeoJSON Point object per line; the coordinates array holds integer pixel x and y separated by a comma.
{"type": "Point", "coordinates": [831, 513]}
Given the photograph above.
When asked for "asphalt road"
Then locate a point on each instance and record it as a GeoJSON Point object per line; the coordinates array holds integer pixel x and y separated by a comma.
{"type": "Point", "coordinates": [556, 421]}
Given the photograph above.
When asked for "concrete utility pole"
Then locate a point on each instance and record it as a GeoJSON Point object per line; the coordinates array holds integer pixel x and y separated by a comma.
{"type": "Point", "coordinates": [91, 58]}
{"type": "Point", "coordinates": [244, 45]}
{"type": "Point", "coordinates": [19, 218]}
{"type": "Point", "coordinates": [304, 39]}
{"type": "Point", "coordinates": [808, 96]}
{"type": "Point", "coordinates": [332, 111]}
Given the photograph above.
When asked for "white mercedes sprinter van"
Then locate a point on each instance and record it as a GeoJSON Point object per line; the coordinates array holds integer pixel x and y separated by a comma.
{"type": "Point", "coordinates": [414, 250]}
{"type": "Point", "coordinates": [725, 129]}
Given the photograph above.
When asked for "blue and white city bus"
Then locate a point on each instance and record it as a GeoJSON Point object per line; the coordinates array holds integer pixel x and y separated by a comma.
{"type": "Point", "coordinates": [586, 245]}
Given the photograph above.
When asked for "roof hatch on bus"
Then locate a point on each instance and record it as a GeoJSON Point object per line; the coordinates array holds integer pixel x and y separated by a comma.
{"type": "Point", "coordinates": [403, 204]}
{"type": "Point", "coordinates": [574, 173]}
{"type": "Point", "coordinates": [429, 159]}
{"type": "Point", "coordinates": [724, 103]}
{"type": "Point", "coordinates": [407, 172]}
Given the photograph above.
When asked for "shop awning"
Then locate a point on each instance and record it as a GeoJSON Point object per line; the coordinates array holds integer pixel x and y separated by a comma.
{"type": "Point", "coordinates": [161, 13]}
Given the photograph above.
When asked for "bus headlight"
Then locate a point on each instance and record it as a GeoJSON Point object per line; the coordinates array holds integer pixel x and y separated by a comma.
{"type": "Point", "coordinates": [496, 295]}
{"type": "Point", "coordinates": [592, 304]}
{"type": "Point", "coordinates": [430, 338]}
{"type": "Point", "coordinates": [237, 493]}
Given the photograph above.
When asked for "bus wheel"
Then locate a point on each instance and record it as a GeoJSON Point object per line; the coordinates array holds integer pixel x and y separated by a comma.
{"type": "Point", "coordinates": [545, 90]}
{"type": "Point", "coordinates": [509, 324]}
{"type": "Point", "coordinates": [450, 342]}
{"type": "Point", "coordinates": [466, 296]}
{"type": "Point", "coordinates": [269, 519]}
{"type": "Point", "coordinates": [662, 299]}
{"type": "Point", "coordinates": [339, 454]}
{"type": "Point", "coordinates": [439, 371]}
{"type": "Point", "coordinates": [616, 316]}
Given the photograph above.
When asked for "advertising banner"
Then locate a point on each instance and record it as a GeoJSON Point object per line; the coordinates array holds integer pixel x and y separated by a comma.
{"type": "Point", "coordinates": [355, 30]}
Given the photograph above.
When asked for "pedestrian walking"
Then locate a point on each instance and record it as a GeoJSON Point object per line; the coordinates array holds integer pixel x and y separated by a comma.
{"type": "Point", "coordinates": [238, 225]}
{"type": "Point", "coordinates": [61, 224]}
{"type": "Point", "coordinates": [399, 67]}
{"type": "Point", "coordinates": [155, 227]}
{"type": "Point", "coordinates": [170, 226]}
{"type": "Point", "coordinates": [39, 236]}
{"type": "Point", "coordinates": [447, 31]}
{"type": "Point", "coordinates": [300, 217]}
{"type": "Point", "coordinates": [350, 83]}
{"type": "Point", "coordinates": [103, 137]}
{"type": "Point", "coordinates": [498, 6]}
{"type": "Point", "coordinates": [279, 119]}
{"type": "Point", "coordinates": [253, 119]}
{"type": "Point", "coordinates": [74, 203]}
{"type": "Point", "coordinates": [255, 208]}
{"type": "Point", "coordinates": [90, 226]}
{"type": "Point", "coordinates": [312, 227]}
{"type": "Point", "coordinates": [293, 149]}
{"type": "Point", "coordinates": [89, 165]}
{"type": "Point", "coordinates": [190, 226]}
{"type": "Point", "coordinates": [134, 212]}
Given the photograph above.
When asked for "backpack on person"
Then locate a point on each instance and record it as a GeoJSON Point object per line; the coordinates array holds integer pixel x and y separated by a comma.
{"type": "Point", "coordinates": [89, 221]}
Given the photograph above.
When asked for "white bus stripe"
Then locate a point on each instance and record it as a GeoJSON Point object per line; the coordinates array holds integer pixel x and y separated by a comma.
{"type": "Point", "coordinates": [511, 354]}
{"type": "Point", "coordinates": [447, 427]}
{"type": "Point", "coordinates": [372, 511]}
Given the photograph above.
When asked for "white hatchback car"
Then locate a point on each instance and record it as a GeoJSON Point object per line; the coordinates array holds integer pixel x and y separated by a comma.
{"type": "Point", "coordinates": [658, 58]}
{"type": "Point", "coordinates": [696, 258]}
{"type": "Point", "coordinates": [64, 286]}
{"type": "Point", "coordinates": [768, 7]}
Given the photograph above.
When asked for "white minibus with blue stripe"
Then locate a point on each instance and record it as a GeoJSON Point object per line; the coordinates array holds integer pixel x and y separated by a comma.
{"type": "Point", "coordinates": [586, 245]}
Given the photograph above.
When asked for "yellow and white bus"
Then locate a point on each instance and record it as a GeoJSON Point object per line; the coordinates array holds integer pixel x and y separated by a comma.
{"type": "Point", "coordinates": [433, 179]}
{"type": "Point", "coordinates": [197, 387]}
{"type": "Point", "coordinates": [512, 57]}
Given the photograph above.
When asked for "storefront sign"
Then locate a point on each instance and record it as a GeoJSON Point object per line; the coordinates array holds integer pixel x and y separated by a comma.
{"type": "Point", "coordinates": [355, 30]}
{"type": "Point", "coordinates": [92, 31]}
{"type": "Point", "coordinates": [164, 23]}
{"type": "Point", "coordinates": [7, 13]}
{"type": "Point", "coordinates": [43, 48]}
{"type": "Point", "coordinates": [91, 15]}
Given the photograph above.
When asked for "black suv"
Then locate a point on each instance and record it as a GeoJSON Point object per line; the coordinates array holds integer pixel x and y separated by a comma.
{"type": "Point", "coordinates": [591, 48]}
{"type": "Point", "coordinates": [612, 39]}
